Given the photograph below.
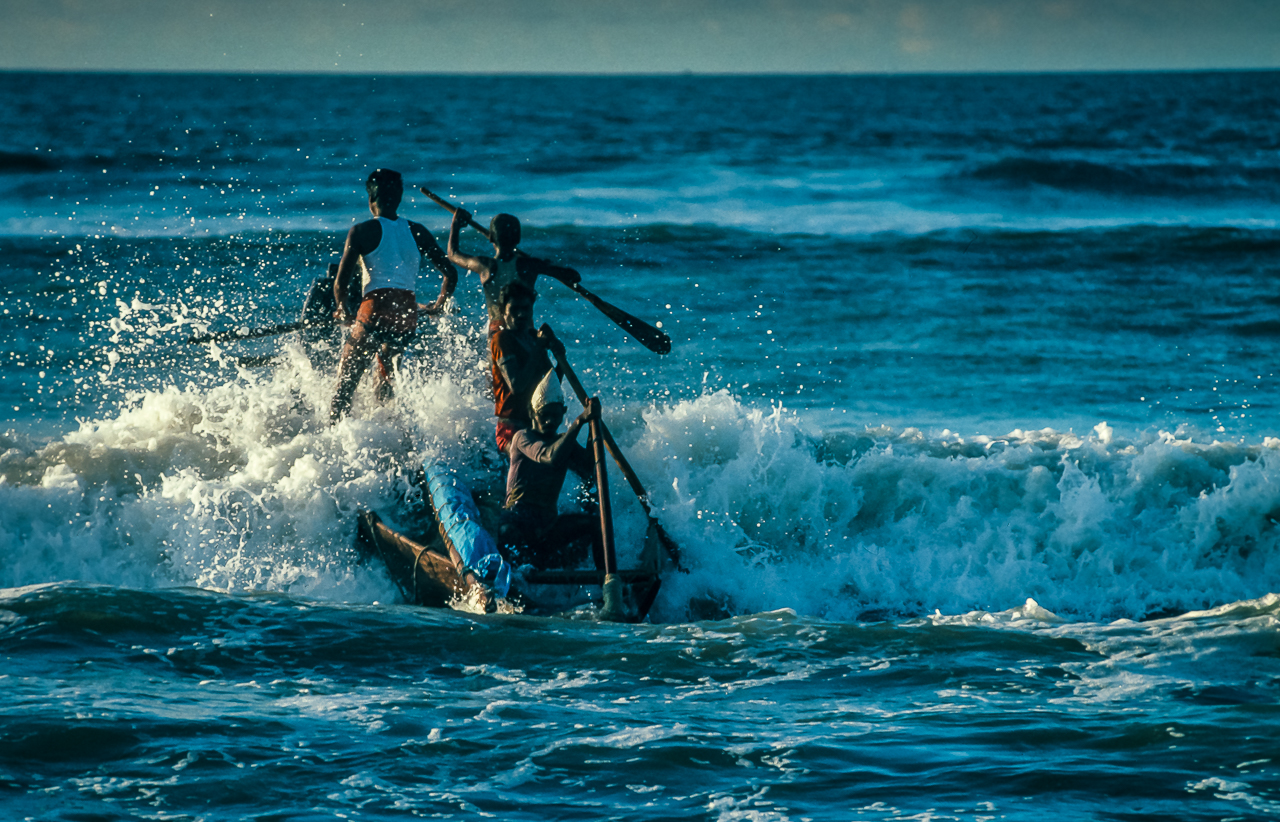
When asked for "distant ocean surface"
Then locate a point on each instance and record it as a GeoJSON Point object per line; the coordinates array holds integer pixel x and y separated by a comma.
{"type": "Point", "coordinates": [969, 434]}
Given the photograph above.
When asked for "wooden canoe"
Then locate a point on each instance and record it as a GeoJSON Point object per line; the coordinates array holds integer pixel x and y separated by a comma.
{"type": "Point", "coordinates": [433, 576]}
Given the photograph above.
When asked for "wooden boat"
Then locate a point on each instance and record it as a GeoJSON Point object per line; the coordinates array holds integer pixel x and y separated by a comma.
{"type": "Point", "coordinates": [460, 565]}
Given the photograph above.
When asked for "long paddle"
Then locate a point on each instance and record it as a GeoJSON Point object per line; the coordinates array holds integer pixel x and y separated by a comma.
{"type": "Point", "coordinates": [611, 589]}
{"type": "Point", "coordinates": [648, 336]}
{"type": "Point", "coordinates": [253, 333]}
{"type": "Point", "coordinates": [247, 334]}
{"type": "Point", "coordinates": [625, 467]}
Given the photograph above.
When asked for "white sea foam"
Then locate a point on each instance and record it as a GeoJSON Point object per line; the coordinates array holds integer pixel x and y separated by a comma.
{"type": "Point", "coordinates": [1087, 527]}
{"type": "Point", "coordinates": [242, 487]}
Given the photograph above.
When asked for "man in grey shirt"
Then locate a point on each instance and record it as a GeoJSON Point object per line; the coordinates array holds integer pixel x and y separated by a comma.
{"type": "Point", "coordinates": [533, 529]}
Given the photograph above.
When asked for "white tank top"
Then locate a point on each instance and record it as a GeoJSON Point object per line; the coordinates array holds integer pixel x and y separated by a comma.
{"type": "Point", "coordinates": [394, 263]}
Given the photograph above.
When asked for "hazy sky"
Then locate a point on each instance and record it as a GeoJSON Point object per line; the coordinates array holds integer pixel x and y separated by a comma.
{"type": "Point", "coordinates": [638, 35]}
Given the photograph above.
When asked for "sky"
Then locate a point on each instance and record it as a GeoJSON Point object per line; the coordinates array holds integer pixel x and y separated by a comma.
{"type": "Point", "coordinates": [638, 36]}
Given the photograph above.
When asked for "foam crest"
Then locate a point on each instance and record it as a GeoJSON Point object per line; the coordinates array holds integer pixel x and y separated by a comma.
{"type": "Point", "coordinates": [238, 487]}
{"type": "Point", "coordinates": [242, 486]}
{"type": "Point", "coordinates": [894, 522]}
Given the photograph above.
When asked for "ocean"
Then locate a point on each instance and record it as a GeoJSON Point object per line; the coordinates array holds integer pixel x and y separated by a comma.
{"type": "Point", "coordinates": [968, 436]}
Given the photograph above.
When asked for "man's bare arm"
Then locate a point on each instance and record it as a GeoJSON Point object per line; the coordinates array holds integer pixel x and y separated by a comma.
{"type": "Point", "coordinates": [584, 462]}
{"type": "Point", "coordinates": [568, 276]}
{"type": "Point", "coordinates": [431, 249]}
{"type": "Point", "coordinates": [480, 265]}
{"type": "Point", "coordinates": [346, 269]}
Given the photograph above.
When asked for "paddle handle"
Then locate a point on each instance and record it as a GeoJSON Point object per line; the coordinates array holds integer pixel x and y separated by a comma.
{"type": "Point", "coordinates": [623, 465]}
{"type": "Point", "coordinates": [621, 461]}
{"type": "Point", "coordinates": [602, 489]}
{"type": "Point", "coordinates": [246, 335]}
{"type": "Point", "coordinates": [266, 331]}
{"type": "Point", "coordinates": [453, 209]}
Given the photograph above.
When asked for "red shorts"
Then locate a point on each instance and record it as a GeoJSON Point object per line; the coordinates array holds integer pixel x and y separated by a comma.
{"type": "Point", "coordinates": [389, 315]}
{"type": "Point", "coordinates": [506, 430]}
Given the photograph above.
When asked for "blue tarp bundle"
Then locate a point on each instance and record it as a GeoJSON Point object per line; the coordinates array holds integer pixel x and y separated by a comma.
{"type": "Point", "coordinates": [460, 522]}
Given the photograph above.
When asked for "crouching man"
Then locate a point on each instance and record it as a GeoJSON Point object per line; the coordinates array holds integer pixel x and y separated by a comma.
{"type": "Point", "coordinates": [533, 530]}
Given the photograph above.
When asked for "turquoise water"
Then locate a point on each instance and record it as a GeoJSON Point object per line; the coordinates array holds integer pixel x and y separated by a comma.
{"type": "Point", "coordinates": [193, 705]}
{"type": "Point", "coordinates": [968, 436]}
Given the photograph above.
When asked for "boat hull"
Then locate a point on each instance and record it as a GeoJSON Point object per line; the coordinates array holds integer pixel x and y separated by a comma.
{"type": "Point", "coordinates": [432, 576]}
{"type": "Point", "coordinates": [425, 576]}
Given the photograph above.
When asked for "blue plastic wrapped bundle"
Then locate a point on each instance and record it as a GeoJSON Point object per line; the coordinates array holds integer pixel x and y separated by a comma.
{"type": "Point", "coordinates": [460, 523]}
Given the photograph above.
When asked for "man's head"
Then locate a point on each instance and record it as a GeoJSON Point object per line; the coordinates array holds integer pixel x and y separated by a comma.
{"type": "Point", "coordinates": [547, 404]}
{"type": "Point", "coordinates": [516, 303]}
{"type": "Point", "coordinates": [504, 231]}
{"type": "Point", "coordinates": [385, 188]}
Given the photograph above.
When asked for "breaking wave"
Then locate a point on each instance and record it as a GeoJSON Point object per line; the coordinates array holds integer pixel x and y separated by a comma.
{"type": "Point", "coordinates": [240, 487]}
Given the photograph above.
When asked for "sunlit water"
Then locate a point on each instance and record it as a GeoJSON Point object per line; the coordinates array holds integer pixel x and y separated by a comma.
{"type": "Point", "coordinates": [967, 436]}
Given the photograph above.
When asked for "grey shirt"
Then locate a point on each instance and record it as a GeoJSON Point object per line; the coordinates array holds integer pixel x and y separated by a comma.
{"type": "Point", "coordinates": [534, 479]}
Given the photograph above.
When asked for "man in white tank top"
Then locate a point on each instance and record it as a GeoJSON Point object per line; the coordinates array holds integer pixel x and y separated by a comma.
{"type": "Point", "coordinates": [388, 250]}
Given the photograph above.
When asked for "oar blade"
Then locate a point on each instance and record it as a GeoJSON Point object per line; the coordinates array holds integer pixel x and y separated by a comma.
{"type": "Point", "coordinates": [648, 336]}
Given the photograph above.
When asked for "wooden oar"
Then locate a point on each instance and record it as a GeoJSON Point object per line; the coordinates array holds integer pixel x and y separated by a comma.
{"type": "Point", "coordinates": [611, 608]}
{"type": "Point", "coordinates": [625, 467]}
{"type": "Point", "coordinates": [648, 336]}
{"type": "Point", "coordinates": [257, 360]}
{"type": "Point", "coordinates": [602, 487]}
{"type": "Point", "coordinates": [254, 333]}
{"type": "Point", "coordinates": [247, 334]}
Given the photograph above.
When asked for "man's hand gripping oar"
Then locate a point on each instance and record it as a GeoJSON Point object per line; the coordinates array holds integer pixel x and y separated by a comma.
{"type": "Point", "coordinates": [668, 543]}
{"type": "Point", "coordinates": [648, 336]}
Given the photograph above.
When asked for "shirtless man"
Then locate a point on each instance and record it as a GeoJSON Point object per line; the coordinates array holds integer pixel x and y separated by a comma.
{"type": "Point", "coordinates": [389, 250]}
{"type": "Point", "coordinates": [533, 529]}
{"type": "Point", "coordinates": [518, 358]}
{"type": "Point", "coordinates": [508, 263]}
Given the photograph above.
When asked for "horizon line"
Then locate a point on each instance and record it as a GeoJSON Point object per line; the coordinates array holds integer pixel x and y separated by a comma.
{"type": "Point", "coordinates": [655, 74]}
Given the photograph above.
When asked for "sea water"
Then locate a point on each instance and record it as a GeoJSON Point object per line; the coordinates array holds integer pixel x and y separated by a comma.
{"type": "Point", "coordinates": [968, 436]}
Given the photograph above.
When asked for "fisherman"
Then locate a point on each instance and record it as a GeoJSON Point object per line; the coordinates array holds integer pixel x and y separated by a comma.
{"type": "Point", "coordinates": [518, 359]}
{"type": "Point", "coordinates": [532, 528]}
{"type": "Point", "coordinates": [508, 263]}
{"type": "Point", "coordinates": [389, 250]}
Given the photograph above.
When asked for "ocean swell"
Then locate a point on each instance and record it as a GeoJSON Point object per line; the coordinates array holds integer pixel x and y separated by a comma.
{"type": "Point", "coordinates": [1130, 179]}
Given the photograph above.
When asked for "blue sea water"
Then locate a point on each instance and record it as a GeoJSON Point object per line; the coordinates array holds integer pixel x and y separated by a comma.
{"type": "Point", "coordinates": [968, 434]}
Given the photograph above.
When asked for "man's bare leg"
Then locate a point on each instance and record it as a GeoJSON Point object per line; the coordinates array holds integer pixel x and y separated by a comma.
{"type": "Point", "coordinates": [356, 353]}
{"type": "Point", "coordinates": [387, 361]}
